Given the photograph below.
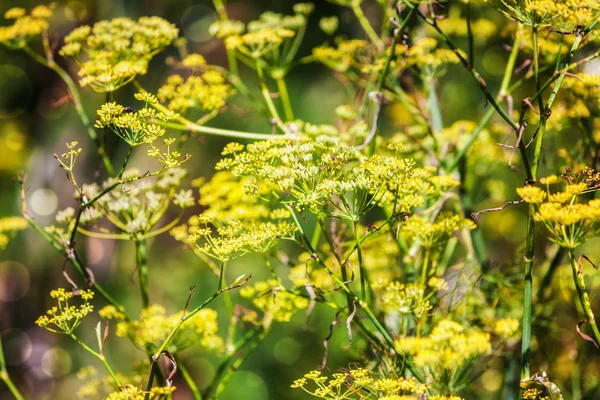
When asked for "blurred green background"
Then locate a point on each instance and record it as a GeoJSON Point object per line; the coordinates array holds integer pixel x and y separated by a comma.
{"type": "Point", "coordinates": [35, 123]}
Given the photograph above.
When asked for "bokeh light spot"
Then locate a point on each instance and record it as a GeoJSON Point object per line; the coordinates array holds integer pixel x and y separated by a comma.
{"type": "Point", "coordinates": [287, 351]}
{"type": "Point", "coordinates": [15, 281]}
{"type": "Point", "coordinates": [44, 202]}
{"type": "Point", "coordinates": [17, 346]}
{"type": "Point", "coordinates": [56, 362]}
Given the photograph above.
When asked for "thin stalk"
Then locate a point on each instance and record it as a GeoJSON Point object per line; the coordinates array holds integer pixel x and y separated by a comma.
{"type": "Point", "coordinates": [267, 97]}
{"type": "Point", "coordinates": [434, 107]}
{"type": "Point", "coordinates": [237, 362]}
{"type": "Point", "coordinates": [99, 357]}
{"type": "Point", "coordinates": [470, 34]}
{"type": "Point", "coordinates": [129, 151]}
{"type": "Point", "coordinates": [285, 99]}
{"type": "Point", "coordinates": [504, 91]}
{"type": "Point", "coordinates": [363, 272]}
{"type": "Point", "coordinates": [77, 102]}
{"type": "Point", "coordinates": [584, 299]}
{"type": "Point", "coordinates": [141, 256]}
{"type": "Point", "coordinates": [187, 125]}
{"type": "Point", "coordinates": [527, 296]}
{"type": "Point", "coordinates": [222, 12]}
{"type": "Point", "coordinates": [547, 279]}
{"type": "Point", "coordinates": [472, 71]}
{"type": "Point", "coordinates": [366, 25]}
{"type": "Point", "coordinates": [189, 380]}
{"type": "Point", "coordinates": [6, 378]}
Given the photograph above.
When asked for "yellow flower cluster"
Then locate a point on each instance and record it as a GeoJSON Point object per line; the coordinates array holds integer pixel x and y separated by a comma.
{"type": "Point", "coordinates": [570, 218]}
{"type": "Point", "coordinates": [363, 384]}
{"type": "Point", "coordinates": [130, 392]}
{"type": "Point", "coordinates": [233, 238]}
{"type": "Point", "coordinates": [112, 53]}
{"type": "Point", "coordinates": [436, 233]}
{"type": "Point", "coordinates": [272, 299]}
{"type": "Point", "coordinates": [506, 327]}
{"type": "Point", "coordinates": [155, 325]}
{"type": "Point", "coordinates": [446, 350]}
{"type": "Point", "coordinates": [410, 298]}
{"type": "Point", "coordinates": [207, 92]}
{"type": "Point", "coordinates": [65, 318]}
{"type": "Point", "coordinates": [561, 15]}
{"type": "Point", "coordinates": [8, 226]}
{"type": "Point", "coordinates": [25, 26]}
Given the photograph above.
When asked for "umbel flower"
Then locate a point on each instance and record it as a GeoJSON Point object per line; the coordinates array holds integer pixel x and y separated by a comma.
{"type": "Point", "coordinates": [112, 53]}
{"type": "Point", "coordinates": [569, 216]}
{"type": "Point", "coordinates": [66, 317]}
{"type": "Point", "coordinates": [561, 15]}
{"type": "Point", "coordinates": [25, 26]}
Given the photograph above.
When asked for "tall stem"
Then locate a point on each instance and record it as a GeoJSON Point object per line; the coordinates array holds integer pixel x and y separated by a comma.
{"type": "Point", "coordinates": [363, 272]}
{"type": "Point", "coordinates": [285, 99]}
{"type": "Point", "coordinates": [366, 25]}
{"type": "Point", "coordinates": [584, 299]}
{"type": "Point", "coordinates": [141, 256]}
{"type": "Point", "coordinates": [6, 378]}
{"type": "Point", "coordinates": [127, 157]}
{"type": "Point", "coordinates": [99, 357]}
{"type": "Point", "coordinates": [189, 380]}
{"type": "Point", "coordinates": [527, 295]}
{"type": "Point", "coordinates": [78, 105]}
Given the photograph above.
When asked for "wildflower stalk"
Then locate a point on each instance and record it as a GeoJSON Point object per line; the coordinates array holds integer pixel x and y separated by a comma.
{"type": "Point", "coordinates": [99, 357]}
{"type": "Point", "coordinates": [584, 299]}
{"type": "Point", "coordinates": [74, 92]}
{"type": "Point", "coordinates": [547, 279]}
{"type": "Point", "coordinates": [472, 71]}
{"type": "Point", "coordinates": [267, 96]}
{"type": "Point", "coordinates": [189, 380]}
{"type": "Point", "coordinates": [6, 378]}
{"type": "Point", "coordinates": [366, 25]}
{"type": "Point", "coordinates": [141, 256]}
{"type": "Point", "coordinates": [222, 12]}
{"type": "Point", "coordinates": [255, 340]}
{"type": "Point", "coordinates": [127, 157]}
{"type": "Point", "coordinates": [470, 33]}
{"type": "Point", "coordinates": [285, 99]}
{"type": "Point", "coordinates": [503, 92]}
{"type": "Point", "coordinates": [363, 272]}
{"type": "Point", "coordinates": [187, 125]}
{"type": "Point", "coordinates": [529, 251]}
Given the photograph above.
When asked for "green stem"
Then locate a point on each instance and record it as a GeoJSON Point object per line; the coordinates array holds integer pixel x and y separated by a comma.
{"type": "Point", "coordinates": [222, 12]}
{"type": "Point", "coordinates": [6, 378]}
{"type": "Point", "coordinates": [187, 125]}
{"type": "Point", "coordinates": [189, 380]}
{"type": "Point", "coordinates": [285, 99]}
{"type": "Point", "coordinates": [267, 97]}
{"type": "Point", "coordinates": [547, 279]}
{"type": "Point", "coordinates": [472, 71]}
{"type": "Point", "coordinates": [363, 272]}
{"type": "Point", "coordinates": [99, 357]}
{"type": "Point", "coordinates": [237, 362]}
{"type": "Point", "coordinates": [504, 91]}
{"type": "Point", "coordinates": [470, 33]}
{"type": "Point", "coordinates": [527, 295]}
{"type": "Point", "coordinates": [129, 151]}
{"type": "Point", "coordinates": [141, 256]}
{"type": "Point", "coordinates": [366, 25]}
{"type": "Point", "coordinates": [584, 299]}
{"type": "Point", "coordinates": [77, 102]}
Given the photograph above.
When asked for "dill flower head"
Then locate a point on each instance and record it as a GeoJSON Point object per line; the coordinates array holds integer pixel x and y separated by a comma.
{"type": "Point", "coordinates": [448, 349]}
{"type": "Point", "coordinates": [275, 303]}
{"type": "Point", "coordinates": [112, 53]}
{"type": "Point", "coordinates": [561, 15]}
{"type": "Point", "coordinates": [25, 26]}
{"type": "Point", "coordinates": [66, 317]}
{"type": "Point", "coordinates": [206, 92]}
{"type": "Point", "coordinates": [152, 329]}
{"type": "Point", "coordinates": [361, 382]}
{"type": "Point", "coordinates": [570, 217]}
